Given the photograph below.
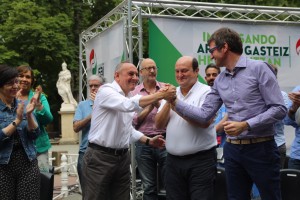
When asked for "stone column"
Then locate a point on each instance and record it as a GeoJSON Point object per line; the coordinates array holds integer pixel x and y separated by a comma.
{"type": "Point", "coordinates": [68, 136]}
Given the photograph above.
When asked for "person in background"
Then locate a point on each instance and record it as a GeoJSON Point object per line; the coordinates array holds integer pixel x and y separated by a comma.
{"type": "Point", "coordinates": [293, 106]}
{"type": "Point", "coordinates": [279, 138]}
{"type": "Point", "coordinates": [148, 157]}
{"type": "Point", "coordinates": [191, 160]}
{"type": "Point", "coordinates": [211, 73]}
{"type": "Point", "coordinates": [42, 113]}
{"type": "Point", "coordinates": [279, 127]}
{"type": "Point", "coordinates": [19, 172]}
{"type": "Point", "coordinates": [82, 118]}
{"type": "Point", "coordinates": [254, 103]}
{"type": "Point", "coordinates": [106, 162]}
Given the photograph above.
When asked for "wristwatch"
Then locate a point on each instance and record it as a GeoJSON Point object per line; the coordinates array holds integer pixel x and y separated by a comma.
{"type": "Point", "coordinates": [14, 124]}
{"type": "Point", "coordinates": [147, 141]}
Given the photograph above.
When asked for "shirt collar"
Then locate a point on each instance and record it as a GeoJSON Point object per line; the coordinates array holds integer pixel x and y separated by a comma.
{"type": "Point", "coordinates": [241, 63]}
{"type": "Point", "coordinates": [141, 86]}
{"type": "Point", "coordinates": [193, 89]}
{"type": "Point", "coordinates": [3, 106]}
{"type": "Point", "coordinates": [119, 89]}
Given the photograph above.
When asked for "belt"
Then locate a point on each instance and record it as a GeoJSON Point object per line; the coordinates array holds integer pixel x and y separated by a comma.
{"type": "Point", "coordinates": [116, 152]}
{"type": "Point", "coordinates": [189, 156]}
{"type": "Point", "coordinates": [250, 140]}
{"type": "Point", "coordinates": [152, 136]}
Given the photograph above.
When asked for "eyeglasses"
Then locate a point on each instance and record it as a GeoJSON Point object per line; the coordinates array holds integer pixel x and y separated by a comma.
{"type": "Point", "coordinates": [95, 86]}
{"type": "Point", "coordinates": [12, 82]}
{"type": "Point", "coordinates": [154, 68]}
{"type": "Point", "coordinates": [213, 49]}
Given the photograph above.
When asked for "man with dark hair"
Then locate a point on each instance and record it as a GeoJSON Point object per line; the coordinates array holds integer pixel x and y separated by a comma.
{"type": "Point", "coordinates": [191, 160]}
{"type": "Point", "coordinates": [254, 103]}
{"type": "Point", "coordinates": [211, 73]}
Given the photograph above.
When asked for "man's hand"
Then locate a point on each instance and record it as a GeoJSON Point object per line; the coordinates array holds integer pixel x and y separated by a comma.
{"type": "Point", "coordinates": [169, 92]}
{"type": "Point", "coordinates": [232, 128]}
{"type": "Point", "coordinates": [157, 142]}
{"type": "Point", "coordinates": [93, 96]}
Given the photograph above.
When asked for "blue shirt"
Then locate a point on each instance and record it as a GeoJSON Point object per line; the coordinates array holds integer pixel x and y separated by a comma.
{"type": "Point", "coordinates": [220, 115]}
{"type": "Point", "coordinates": [250, 93]}
{"type": "Point", "coordinates": [83, 110]}
{"type": "Point", "coordinates": [279, 126]}
{"type": "Point", "coordinates": [295, 148]}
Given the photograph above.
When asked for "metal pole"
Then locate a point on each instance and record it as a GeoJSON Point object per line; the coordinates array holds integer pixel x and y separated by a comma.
{"type": "Point", "coordinates": [80, 68]}
{"type": "Point", "coordinates": [130, 31]}
{"type": "Point", "coordinates": [140, 39]}
{"type": "Point", "coordinates": [132, 151]}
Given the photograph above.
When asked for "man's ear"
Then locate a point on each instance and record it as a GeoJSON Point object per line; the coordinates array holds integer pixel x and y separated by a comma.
{"type": "Point", "coordinates": [116, 76]}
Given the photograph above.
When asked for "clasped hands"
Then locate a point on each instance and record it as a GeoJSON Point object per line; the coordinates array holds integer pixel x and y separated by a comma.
{"type": "Point", "coordinates": [168, 92]}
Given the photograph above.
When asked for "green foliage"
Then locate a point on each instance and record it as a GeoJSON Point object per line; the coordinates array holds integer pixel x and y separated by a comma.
{"type": "Point", "coordinates": [43, 34]}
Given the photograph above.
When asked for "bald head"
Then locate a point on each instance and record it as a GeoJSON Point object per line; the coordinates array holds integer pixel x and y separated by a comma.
{"type": "Point", "coordinates": [148, 71]}
{"type": "Point", "coordinates": [147, 61]}
{"type": "Point", "coordinates": [188, 60]}
{"type": "Point", "coordinates": [186, 72]}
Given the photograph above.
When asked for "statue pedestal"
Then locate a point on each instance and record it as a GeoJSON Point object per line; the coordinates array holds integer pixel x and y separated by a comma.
{"type": "Point", "coordinates": [68, 136]}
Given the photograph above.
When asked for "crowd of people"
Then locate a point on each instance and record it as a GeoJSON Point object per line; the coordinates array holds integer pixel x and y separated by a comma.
{"type": "Point", "coordinates": [175, 130]}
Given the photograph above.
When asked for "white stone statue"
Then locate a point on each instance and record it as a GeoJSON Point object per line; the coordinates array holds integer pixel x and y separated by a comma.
{"type": "Point", "coordinates": [63, 85]}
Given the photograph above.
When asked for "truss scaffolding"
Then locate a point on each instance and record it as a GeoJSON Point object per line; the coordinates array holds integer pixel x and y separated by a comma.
{"type": "Point", "coordinates": [133, 13]}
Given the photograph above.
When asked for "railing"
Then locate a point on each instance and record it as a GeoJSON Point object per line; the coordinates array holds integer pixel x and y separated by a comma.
{"type": "Point", "coordinates": [67, 167]}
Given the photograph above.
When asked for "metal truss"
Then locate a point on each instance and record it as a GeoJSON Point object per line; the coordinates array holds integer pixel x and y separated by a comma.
{"type": "Point", "coordinates": [219, 11]}
{"type": "Point", "coordinates": [134, 11]}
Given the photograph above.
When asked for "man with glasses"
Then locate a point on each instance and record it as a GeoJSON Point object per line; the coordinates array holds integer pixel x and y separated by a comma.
{"type": "Point", "coordinates": [82, 118]}
{"type": "Point", "coordinates": [148, 157]}
{"type": "Point", "coordinates": [254, 103]}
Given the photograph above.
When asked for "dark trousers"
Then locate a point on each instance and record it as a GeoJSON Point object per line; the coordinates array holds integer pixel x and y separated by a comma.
{"type": "Point", "coordinates": [191, 177]}
{"type": "Point", "coordinates": [105, 176]}
{"type": "Point", "coordinates": [79, 167]}
{"type": "Point", "coordinates": [258, 163]}
{"type": "Point", "coordinates": [147, 158]}
{"type": "Point", "coordinates": [294, 164]}
{"type": "Point", "coordinates": [282, 152]}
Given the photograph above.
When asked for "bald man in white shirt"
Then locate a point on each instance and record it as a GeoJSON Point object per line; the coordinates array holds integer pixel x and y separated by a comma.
{"type": "Point", "coordinates": [106, 162]}
{"type": "Point", "coordinates": [191, 160]}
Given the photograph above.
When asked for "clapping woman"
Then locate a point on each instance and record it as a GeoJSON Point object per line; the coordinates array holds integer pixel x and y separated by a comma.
{"type": "Point", "coordinates": [19, 172]}
{"type": "Point", "coordinates": [42, 113]}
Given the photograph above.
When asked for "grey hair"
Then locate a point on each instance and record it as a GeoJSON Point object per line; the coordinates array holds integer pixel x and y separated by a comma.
{"type": "Point", "coordinates": [98, 77]}
{"type": "Point", "coordinates": [118, 67]}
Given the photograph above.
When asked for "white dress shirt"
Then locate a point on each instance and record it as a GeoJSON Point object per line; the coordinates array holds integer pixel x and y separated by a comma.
{"type": "Point", "coordinates": [111, 123]}
{"type": "Point", "coordinates": [182, 138]}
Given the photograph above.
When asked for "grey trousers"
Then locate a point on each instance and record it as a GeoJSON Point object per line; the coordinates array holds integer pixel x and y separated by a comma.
{"type": "Point", "coordinates": [105, 176]}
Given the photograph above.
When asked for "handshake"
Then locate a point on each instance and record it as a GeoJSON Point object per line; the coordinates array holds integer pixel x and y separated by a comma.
{"type": "Point", "coordinates": [168, 92]}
